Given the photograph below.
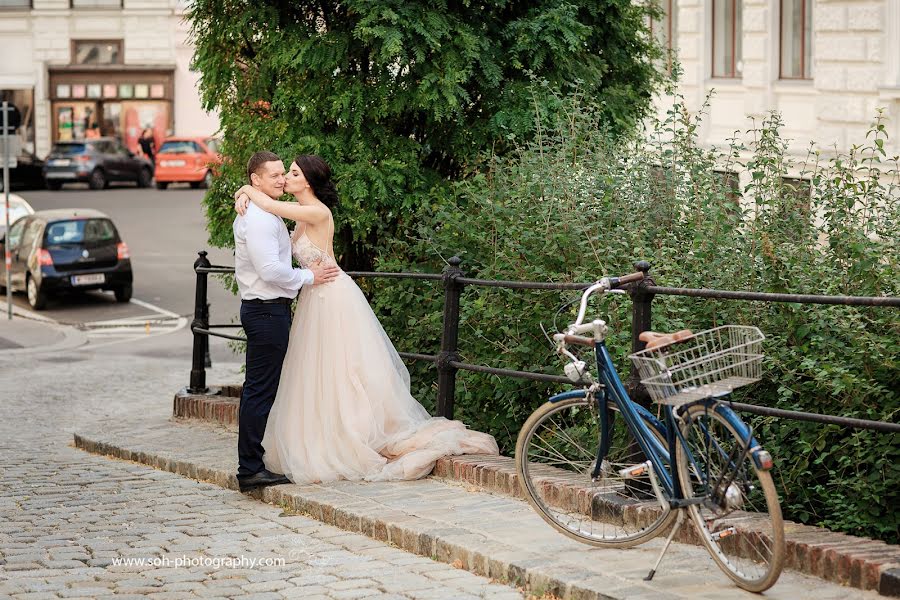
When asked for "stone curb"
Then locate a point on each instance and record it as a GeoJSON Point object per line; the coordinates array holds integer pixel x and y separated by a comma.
{"type": "Point", "coordinates": [848, 560]}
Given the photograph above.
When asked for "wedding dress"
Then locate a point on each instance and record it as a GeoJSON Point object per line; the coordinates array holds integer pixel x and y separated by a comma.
{"type": "Point", "coordinates": [343, 408]}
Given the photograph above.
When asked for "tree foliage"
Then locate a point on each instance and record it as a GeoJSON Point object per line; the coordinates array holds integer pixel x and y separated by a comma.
{"type": "Point", "coordinates": [403, 96]}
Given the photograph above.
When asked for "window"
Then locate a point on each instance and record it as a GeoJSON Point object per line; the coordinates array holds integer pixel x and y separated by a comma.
{"type": "Point", "coordinates": [80, 231]}
{"type": "Point", "coordinates": [796, 39]}
{"type": "Point", "coordinates": [97, 52]}
{"type": "Point", "coordinates": [20, 4]}
{"type": "Point", "coordinates": [30, 235]}
{"type": "Point", "coordinates": [180, 147]}
{"type": "Point", "coordinates": [726, 38]}
{"type": "Point", "coordinates": [665, 29]}
{"type": "Point", "coordinates": [15, 233]}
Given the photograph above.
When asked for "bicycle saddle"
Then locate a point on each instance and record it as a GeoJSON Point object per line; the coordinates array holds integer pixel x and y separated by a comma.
{"type": "Point", "coordinates": [657, 340]}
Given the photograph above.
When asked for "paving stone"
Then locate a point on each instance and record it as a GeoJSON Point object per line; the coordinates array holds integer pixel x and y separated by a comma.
{"type": "Point", "coordinates": [67, 533]}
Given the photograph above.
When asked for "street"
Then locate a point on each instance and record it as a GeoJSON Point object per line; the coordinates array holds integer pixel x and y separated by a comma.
{"type": "Point", "coordinates": [164, 231]}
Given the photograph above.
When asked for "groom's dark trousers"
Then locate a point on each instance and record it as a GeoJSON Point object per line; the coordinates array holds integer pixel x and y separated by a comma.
{"type": "Point", "coordinates": [267, 327]}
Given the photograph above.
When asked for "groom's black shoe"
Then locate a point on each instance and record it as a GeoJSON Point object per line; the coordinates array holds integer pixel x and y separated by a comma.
{"type": "Point", "coordinates": [261, 479]}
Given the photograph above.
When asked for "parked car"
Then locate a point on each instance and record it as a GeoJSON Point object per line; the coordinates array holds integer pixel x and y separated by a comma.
{"type": "Point", "coordinates": [95, 161]}
{"type": "Point", "coordinates": [64, 250]}
{"type": "Point", "coordinates": [187, 159]}
{"type": "Point", "coordinates": [18, 208]}
{"type": "Point", "coordinates": [26, 175]}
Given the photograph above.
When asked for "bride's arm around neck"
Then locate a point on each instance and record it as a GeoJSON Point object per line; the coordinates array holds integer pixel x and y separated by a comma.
{"type": "Point", "coordinates": [287, 210]}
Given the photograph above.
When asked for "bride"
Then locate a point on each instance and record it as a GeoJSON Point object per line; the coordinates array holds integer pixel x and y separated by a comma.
{"type": "Point", "coordinates": [343, 408]}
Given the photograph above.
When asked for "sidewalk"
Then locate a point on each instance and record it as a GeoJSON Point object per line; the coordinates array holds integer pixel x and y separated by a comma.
{"type": "Point", "coordinates": [27, 333]}
{"type": "Point", "coordinates": [464, 525]}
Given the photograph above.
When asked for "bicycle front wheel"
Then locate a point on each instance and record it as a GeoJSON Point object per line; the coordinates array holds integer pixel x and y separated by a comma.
{"type": "Point", "coordinates": [555, 456]}
{"type": "Point", "coordinates": [739, 519]}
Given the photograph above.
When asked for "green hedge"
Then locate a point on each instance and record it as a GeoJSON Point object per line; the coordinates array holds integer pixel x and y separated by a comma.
{"type": "Point", "coordinates": [575, 205]}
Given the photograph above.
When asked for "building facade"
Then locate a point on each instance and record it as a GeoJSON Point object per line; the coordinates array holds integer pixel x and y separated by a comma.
{"type": "Point", "coordinates": [85, 68]}
{"type": "Point", "coordinates": [825, 65]}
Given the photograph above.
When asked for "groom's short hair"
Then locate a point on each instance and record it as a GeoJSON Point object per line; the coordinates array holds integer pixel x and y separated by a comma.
{"type": "Point", "coordinates": [258, 159]}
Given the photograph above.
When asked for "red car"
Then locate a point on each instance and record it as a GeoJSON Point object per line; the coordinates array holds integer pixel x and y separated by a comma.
{"type": "Point", "coordinates": [187, 159]}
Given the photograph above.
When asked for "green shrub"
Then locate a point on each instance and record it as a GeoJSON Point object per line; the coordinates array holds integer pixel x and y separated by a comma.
{"type": "Point", "coordinates": [578, 203]}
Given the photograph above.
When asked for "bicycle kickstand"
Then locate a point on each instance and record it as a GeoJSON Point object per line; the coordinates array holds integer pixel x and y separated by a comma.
{"type": "Point", "coordinates": [679, 521]}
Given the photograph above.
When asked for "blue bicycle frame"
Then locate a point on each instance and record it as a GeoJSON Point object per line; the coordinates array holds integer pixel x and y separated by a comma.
{"type": "Point", "coordinates": [635, 417]}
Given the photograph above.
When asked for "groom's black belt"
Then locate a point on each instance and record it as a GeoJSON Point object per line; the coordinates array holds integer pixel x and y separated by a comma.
{"type": "Point", "coordinates": [272, 301]}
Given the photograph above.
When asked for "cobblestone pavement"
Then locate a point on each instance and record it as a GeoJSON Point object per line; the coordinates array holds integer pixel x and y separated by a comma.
{"type": "Point", "coordinates": [69, 520]}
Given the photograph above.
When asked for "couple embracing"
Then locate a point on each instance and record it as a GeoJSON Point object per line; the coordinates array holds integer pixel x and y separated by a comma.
{"type": "Point", "coordinates": [326, 395]}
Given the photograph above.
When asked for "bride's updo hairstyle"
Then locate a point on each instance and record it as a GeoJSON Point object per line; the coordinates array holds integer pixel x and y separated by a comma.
{"type": "Point", "coordinates": [318, 175]}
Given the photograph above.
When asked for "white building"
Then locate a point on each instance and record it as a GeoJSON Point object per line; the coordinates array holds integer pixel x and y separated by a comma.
{"type": "Point", "coordinates": [826, 65]}
{"type": "Point", "coordinates": [78, 68]}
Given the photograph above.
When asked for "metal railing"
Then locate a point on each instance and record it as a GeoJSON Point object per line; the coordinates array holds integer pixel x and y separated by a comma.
{"type": "Point", "coordinates": [448, 362]}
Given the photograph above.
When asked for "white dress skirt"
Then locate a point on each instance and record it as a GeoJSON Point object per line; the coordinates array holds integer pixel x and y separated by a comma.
{"type": "Point", "coordinates": [343, 408]}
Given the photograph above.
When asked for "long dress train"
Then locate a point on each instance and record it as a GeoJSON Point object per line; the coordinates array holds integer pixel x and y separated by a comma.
{"type": "Point", "coordinates": [344, 408]}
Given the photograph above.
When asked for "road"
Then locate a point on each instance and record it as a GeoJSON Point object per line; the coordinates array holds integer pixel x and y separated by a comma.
{"type": "Point", "coordinates": [164, 230]}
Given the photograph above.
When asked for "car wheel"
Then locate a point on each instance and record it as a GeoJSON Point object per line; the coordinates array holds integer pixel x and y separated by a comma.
{"type": "Point", "coordinates": [161, 185]}
{"type": "Point", "coordinates": [145, 178]}
{"type": "Point", "coordinates": [36, 298]}
{"type": "Point", "coordinates": [54, 185]}
{"type": "Point", "coordinates": [97, 180]}
{"type": "Point", "coordinates": [123, 294]}
{"type": "Point", "coordinates": [208, 180]}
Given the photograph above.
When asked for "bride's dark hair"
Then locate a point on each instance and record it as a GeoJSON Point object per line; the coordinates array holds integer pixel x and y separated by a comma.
{"type": "Point", "coordinates": [318, 175]}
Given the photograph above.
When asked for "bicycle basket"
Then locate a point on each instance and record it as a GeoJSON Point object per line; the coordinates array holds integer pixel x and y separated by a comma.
{"type": "Point", "coordinates": [709, 363]}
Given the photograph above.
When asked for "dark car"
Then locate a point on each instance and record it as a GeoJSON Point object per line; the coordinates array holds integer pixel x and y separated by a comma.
{"type": "Point", "coordinates": [96, 161]}
{"type": "Point", "coordinates": [64, 250]}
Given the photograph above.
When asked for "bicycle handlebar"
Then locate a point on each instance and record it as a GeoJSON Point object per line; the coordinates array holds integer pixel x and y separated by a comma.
{"type": "Point", "coordinates": [605, 284]}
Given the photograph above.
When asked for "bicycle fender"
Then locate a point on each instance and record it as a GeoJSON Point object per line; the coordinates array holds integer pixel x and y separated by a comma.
{"type": "Point", "coordinates": [567, 395]}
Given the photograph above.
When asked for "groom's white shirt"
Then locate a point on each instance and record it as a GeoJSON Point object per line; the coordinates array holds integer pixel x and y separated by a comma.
{"type": "Point", "coordinates": [262, 257]}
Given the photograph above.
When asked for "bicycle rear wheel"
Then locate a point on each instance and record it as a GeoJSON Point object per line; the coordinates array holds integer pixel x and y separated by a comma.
{"type": "Point", "coordinates": [740, 518]}
{"type": "Point", "coordinates": [555, 455]}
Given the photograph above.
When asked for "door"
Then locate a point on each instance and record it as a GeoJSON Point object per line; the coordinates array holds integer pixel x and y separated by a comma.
{"type": "Point", "coordinates": [13, 240]}
{"type": "Point", "coordinates": [127, 165]}
{"type": "Point", "coordinates": [22, 255]}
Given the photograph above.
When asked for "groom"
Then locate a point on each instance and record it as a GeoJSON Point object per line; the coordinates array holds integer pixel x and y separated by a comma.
{"type": "Point", "coordinates": [268, 284]}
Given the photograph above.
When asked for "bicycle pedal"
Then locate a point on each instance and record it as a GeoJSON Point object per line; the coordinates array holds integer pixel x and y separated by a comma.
{"type": "Point", "coordinates": [724, 533]}
{"type": "Point", "coordinates": [635, 471]}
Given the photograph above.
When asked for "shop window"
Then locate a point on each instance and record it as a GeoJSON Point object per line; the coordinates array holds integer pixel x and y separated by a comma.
{"type": "Point", "coordinates": [726, 38]}
{"type": "Point", "coordinates": [796, 39]}
{"type": "Point", "coordinates": [97, 52]}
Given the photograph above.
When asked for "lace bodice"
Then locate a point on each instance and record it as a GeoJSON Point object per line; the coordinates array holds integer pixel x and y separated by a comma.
{"type": "Point", "coordinates": [307, 253]}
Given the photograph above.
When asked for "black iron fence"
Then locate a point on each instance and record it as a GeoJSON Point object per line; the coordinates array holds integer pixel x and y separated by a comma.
{"type": "Point", "coordinates": [448, 362]}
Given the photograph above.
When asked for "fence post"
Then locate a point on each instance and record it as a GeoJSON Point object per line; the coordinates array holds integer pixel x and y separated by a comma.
{"type": "Point", "coordinates": [641, 317]}
{"type": "Point", "coordinates": [449, 339]}
{"type": "Point", "coordinates": [201, 320]}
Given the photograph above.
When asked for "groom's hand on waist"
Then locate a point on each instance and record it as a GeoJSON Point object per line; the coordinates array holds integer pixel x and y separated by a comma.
{"type": "Point", "coordinates": [323, 273]}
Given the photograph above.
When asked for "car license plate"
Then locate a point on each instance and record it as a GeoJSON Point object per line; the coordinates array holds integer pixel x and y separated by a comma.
{"type": "Point", "coordinates": [60, 162]}
{"type": "Point", "coordinates": [88, 279]}
{"type": "Point", "coordinates": [173, 163]}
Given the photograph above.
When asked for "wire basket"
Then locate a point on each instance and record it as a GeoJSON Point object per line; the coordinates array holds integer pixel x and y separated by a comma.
{"type": "Point", "coordinates": [709, 363]}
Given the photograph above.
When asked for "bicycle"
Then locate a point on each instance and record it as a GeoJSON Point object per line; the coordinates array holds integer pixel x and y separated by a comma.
{"type": "Point", "coordinates": [610, 486]}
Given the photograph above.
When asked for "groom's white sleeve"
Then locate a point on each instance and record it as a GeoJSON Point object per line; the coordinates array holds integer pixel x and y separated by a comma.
{"type": "Point", "coordinates": [262, 250]}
